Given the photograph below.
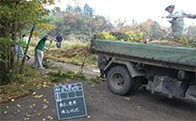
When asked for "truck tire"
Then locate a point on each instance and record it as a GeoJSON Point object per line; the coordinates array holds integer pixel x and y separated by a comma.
{"type": "Point", "coordinates": [119, 80]}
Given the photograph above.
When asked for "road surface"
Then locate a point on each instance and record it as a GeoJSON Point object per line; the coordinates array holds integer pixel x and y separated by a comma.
{"type": "Point", "coordinates": [102, 105]}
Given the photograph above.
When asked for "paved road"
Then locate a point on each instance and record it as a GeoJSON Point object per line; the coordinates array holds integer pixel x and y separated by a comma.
{"type": "Point", "coordinates": [102, 105]}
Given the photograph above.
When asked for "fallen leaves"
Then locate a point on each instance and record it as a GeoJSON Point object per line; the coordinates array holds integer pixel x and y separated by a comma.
{"type": "Point", "coordinates": [93, 85]}
{"type": "Point", "coordinates": [38, 96]}
{"type": "Point", "coordinates": [18, 105]}
{"type": "Point", "coordinates": [45, 101]}
{"type": "Point", "coordinates": [18, 111]}
{"type": "Point", "coordinates": [14, 90]}
{"type": "Point", "coordinates": [31, 107]}
{"type": "Point", "coordinates": [33, 93]}
{"type": "Point", "coordinates": [44, 107]}
{"type": "Point", "coordinates": [28, 115]}
{"type": "Point", "coordinates": [50, 117]}
{"type": "Point", "coordinates": [26, 118]}
{"type": "Point", "coordinates": [127, 98]}
{"type": "Point", "coordinates": [90, 97]}
{"type": "Point", "coordinates": [46, 84]}
{"type": "Point", "coordinates": [12, 100]}
{"type": "Point", "coordinates": [40, 113]}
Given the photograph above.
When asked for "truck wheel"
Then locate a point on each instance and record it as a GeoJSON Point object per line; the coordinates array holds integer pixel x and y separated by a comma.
{"type": "Point", "coordinates": [119, 80]}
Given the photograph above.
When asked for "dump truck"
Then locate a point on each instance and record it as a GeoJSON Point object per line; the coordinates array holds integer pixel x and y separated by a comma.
{"type": "Point", "coordinates": [126, 66]}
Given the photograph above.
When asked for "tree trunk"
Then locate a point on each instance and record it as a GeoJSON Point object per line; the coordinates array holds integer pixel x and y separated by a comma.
{"type": "Point", "coordinates": [6, 48]}
{"type": "Point", "coordinates": [26, 50]}
{"type": "Point", "coordinates": [4, 66]}
{"type": "Point", "coordinates": [12, 48]}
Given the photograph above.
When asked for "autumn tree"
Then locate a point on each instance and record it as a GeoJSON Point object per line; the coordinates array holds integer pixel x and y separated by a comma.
{"type": "Point", "coordinates": [152, 29]}
{"type": "Point", "coordinates": [73, 23]}
{"type": "Point", "coordinates": [15, 15]}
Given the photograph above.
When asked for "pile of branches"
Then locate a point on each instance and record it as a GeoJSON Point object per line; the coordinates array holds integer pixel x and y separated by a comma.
{"type": "Point", "coordinates": [181, 42]}
{"type": "Point", "coordinates": [76, 51]}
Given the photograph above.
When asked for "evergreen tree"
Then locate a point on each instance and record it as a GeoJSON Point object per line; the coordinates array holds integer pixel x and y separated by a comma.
{"type": "Point", "coordinates": [88, 10]}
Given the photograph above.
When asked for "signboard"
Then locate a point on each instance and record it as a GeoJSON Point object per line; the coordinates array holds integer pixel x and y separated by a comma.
{"type": "Point", "coordinates": [70, 101]}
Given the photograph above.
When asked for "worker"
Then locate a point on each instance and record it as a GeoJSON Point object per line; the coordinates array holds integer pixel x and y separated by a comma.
{"type": "Point", "coordinates": [25, 43]}
{"type": "Point", "coordinates": [39, 54]}
{"type": "Point", "coordinates": [58, 40]}
{"type": "Point", "coordinates": [177, 20]}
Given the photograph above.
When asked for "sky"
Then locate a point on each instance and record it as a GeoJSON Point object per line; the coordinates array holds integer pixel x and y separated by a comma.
{"type": "Point", "coordinates": [139, 10]}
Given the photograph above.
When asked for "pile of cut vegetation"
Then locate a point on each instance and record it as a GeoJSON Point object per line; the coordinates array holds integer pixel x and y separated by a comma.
{"type": "Point", "coordinates": [167, 42]}
{"type": "Point", "coordinates": [76, 51]}
{"type": "Point", "coordinates": [81, 51]}
{"type": "Point", "coordinates": [130, 36]}
{"type": "Point", "coordinates": [74, 55]}
{"type": "Point", "coordinates": [180, 43]}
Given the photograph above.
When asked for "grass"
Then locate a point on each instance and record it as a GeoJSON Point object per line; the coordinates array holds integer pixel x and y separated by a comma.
{"type": "Point", "coordinates": [21, 84]}
{"type": "Point", "coordinates": [59, 76]}
{"type": "Point", "coordinates": [32, 79]}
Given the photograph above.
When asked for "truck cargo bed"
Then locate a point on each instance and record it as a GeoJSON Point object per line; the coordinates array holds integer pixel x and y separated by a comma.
{"type": "Point", "coordinates": [181, 58]}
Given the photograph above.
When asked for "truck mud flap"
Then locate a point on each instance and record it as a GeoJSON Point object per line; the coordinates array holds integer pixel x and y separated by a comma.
{"type": "Point", "coordinates": [167, 85]}
{"type": "Point", "coordinates": [191, 92]}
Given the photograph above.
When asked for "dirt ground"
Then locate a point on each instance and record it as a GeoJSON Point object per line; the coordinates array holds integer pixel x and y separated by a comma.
{"type": "Point", "coordinates": [102, 105]}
